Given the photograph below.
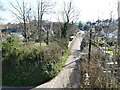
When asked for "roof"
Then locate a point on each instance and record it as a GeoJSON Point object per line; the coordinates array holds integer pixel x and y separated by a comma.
{"type": "Point", "coordinates": [10, 30]}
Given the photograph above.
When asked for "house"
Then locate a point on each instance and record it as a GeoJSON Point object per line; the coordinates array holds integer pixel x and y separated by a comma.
{"type": "Point", "coordinates": [13, 32]}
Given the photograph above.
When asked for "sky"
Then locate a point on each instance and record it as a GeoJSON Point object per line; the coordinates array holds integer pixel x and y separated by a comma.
{"type": "Point", "coordinates": [90, 10]}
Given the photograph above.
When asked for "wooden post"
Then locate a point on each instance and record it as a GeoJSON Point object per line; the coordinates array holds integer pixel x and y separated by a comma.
{"type": "Point", "coordinates": [89, 54]}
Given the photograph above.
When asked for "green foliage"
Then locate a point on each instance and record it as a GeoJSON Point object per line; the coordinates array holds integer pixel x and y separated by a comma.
{"type": "Point", "coordinates": [80, 25]}
{"type": "Point", "coordinates": [35, 64]}
{"type": "Point", "coordinates": [11, 50]}
{"type": "Point", "coordinates": [63, 43]}
{"type": "Point", "coordinates": [64, 29]}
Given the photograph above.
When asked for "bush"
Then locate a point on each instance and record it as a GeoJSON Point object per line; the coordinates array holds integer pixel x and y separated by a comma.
{"type": "Point", "coordinates": [95, 68]}
{"type": "Point", "coordinates": [84, 43]}
{"type": "Point", "coordinates": [30, 65]}
{"type": "Point", "coordinates": [11, 50]}
{"type": "Point", "coordinates": [63, 43]}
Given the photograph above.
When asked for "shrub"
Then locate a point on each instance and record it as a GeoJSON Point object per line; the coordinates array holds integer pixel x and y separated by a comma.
{"type": "Point", "coordinates": [11, 50]}
{"type": "Point", "coordinates": [84, 43]}
{"type": "Point", "coordinates": [95, 68]}
{"type": "Point", "coordinates": [63, 43]}
{"type": "Point", "coordinates": [30, 65]}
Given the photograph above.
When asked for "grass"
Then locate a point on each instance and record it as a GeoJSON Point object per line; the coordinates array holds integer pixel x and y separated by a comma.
{"type": "Point", "coordinates": [64, 58]}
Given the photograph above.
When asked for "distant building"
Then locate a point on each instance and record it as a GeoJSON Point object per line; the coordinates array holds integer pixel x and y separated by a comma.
{"type": "Point", "coordinates": [13, 32]}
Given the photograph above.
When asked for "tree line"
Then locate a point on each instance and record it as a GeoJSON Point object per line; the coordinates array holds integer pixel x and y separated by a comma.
{"type": "Point", "coordinates": [25, 13]}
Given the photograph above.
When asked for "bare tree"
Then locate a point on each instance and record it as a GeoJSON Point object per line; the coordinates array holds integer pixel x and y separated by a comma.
{"type": "Point", "coordinates": [43, 6]}
{"type": "Point", "coordinates": [21, 11]}
{"type": "Point", "coordinates": [70, 15]}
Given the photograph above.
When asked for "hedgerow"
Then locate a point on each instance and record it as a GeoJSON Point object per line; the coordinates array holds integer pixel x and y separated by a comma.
{"type": "Point", "coordinates": [30, 65]}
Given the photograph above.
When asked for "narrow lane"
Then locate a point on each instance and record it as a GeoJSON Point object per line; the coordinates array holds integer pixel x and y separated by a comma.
{"type": "Point", "coordinates": [63, 78]}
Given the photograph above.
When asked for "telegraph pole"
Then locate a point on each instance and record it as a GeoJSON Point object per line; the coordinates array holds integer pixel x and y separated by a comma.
{"type": "Point", "coordinates": [87, 81]}
{"type": "Point", "coordinates": [90, 42]}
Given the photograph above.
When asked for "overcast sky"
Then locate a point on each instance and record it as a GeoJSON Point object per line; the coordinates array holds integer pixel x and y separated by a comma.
{"type": "Point", "coordinates": [90, 10]}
